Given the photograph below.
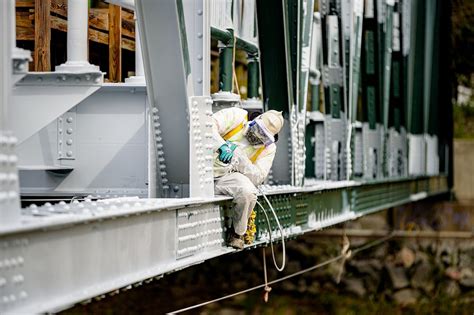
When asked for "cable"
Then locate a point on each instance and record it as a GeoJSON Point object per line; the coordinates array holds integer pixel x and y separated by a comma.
{"type": "Point", "coordinates": [267, 288]}
{"type": "Point", "coordinates": [235, 83]}
{"type": "Point", "coordinates": [281, 233]}
{"type": "Point", "coordinates": [270, 233]}
{"type": "Point", "coordinates": [327, 262]}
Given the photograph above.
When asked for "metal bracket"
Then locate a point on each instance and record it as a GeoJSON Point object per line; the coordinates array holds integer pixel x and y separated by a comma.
{"type": "Point", "coordinates": [201, 147]}
{"type": "Point", "coordinates": [67, 136]}
{"type": "Point", "coordinates": [62, 79]}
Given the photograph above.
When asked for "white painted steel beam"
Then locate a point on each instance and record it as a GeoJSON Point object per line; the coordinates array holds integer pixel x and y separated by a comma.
{"type": "Point", "coordinates": [41, 97]}
{"type": "Point", "coordinates": [71, 252]}
{"type": "Point", "coordinates": [9, 198]}
{"type": "Point", "coordinates": [166, 80]}
{"type": "Point", "coordinates": [77, 39]}
{"type": "Point", "coordinates": [139, 77]}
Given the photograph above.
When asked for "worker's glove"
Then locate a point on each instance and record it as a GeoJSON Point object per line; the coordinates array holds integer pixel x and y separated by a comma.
{"type": "Point", "coordinates": [226, 152]}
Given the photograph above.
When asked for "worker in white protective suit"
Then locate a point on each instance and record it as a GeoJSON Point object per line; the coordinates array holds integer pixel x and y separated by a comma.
{"type": "Point", "coordinates": [244, 155]}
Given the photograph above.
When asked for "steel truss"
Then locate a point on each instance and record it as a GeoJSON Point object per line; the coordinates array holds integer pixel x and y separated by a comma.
{"type": "Point", "coordinates": [53, 256]}
{"type": "Point", "coordinates": [72, 252]}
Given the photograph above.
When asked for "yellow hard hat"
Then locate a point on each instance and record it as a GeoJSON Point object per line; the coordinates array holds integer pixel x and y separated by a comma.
{"type": "Point", "coordinates": [273, 121]}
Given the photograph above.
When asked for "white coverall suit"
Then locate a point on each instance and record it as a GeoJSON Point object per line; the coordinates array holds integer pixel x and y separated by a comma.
{"type": "Point", "coordinates": [249, 166]}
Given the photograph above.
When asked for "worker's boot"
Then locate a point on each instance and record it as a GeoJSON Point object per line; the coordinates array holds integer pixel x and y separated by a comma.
{"type": "Point", "coordinates": [235, 240]}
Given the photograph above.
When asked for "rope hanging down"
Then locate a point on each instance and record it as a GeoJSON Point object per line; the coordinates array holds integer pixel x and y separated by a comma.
{"type": "Point", "coordinates": [347, 254]}
{"type": "Point", "coordinates": [327, 262]}
{"type": "Point", "coordinates": [267, 288]}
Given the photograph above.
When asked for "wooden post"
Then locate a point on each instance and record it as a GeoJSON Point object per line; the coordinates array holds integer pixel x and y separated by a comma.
{"type": "Point", "coordinates": [115, 43]}
{"type": "Point", "coordinates": [42, 35]}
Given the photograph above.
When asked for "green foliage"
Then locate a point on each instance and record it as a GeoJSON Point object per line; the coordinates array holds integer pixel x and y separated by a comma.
{"type": "Point", "coordinates": [463, 39]}
{"type": "Point", "coordinates": [464, 121]}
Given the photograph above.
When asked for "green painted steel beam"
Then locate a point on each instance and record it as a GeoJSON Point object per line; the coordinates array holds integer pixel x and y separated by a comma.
{"type": "Point", "coordinates": [224, 36]}
{"type": "Point", "coordinates": [293, 10]}
{"type": "Point", "coordinates": [432, 107]}
{"type": "Point", "coordinates": [370, 70]}
{"type": "Point", "coordinates": [310, 150]}
{"type": "Point", "coordinates": [387, 62]}
{"type": "Point", "coordinates": [253, 77]}
{"type": "Point", "coordinates": [417, 56]}
{"type": "Point", "coordinates": [303, 211]}
{"type": "Point", "coordinates": [227, 38]}
{"type": "Point", "coordinates": [246, 46]}
{"type": "Point", "coordinates": [315, 97]}
{"type": "Point", "coordinates": [225, 68]}
{"type": "Point", "coordinates": [226, 54]}
{"type": "Point", "coordinates": [276, 76]}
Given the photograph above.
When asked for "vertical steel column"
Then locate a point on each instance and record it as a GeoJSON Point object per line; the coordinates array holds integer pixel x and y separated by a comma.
{"type": "Point", "coordinates": [226, 51]}
{"type": "Point", "coordinates": [430, 88]}
{"type": "Point", "coordinates": [418, 56]}
{"type": "Point", "coordinates": [9, 198]}
{"type": "Point", "coordinates": [315, 128]}
{"type": "Point", "coordinates": [197, 21]}
{"type": "Point", "coordinates": [163, 58]}
{"type": "Point", "coordinates": [446, 84]}
{"type": "Point", "coordinates": [355, 53]}
{"type": "Point", "coordinates": [396, 144]}
{"type": "Point", "coordinates": [334, 80]}
{"type": "Point", "coordinates": [387, 60]}
{"type": "Point", "coordinates": [370, 67]}
{"type": "Point", "coordinates": [225, 98]}
{"type": "Point", "coordinates": [139, 77]}
{"type": "Point", "coordinates": [396, 112]}
{"type": "Point", "coordinates": [77, 39]}
{"type": "Point", "coordinates": [417, 145]}
{"type": "Point", "coordinates": [253, 76]}
{"type": "Point", "coordinates": [276, 77]}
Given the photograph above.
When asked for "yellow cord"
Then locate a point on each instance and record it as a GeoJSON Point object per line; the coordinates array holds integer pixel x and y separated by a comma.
{"type": "Point", "coordinates": [234, 74]}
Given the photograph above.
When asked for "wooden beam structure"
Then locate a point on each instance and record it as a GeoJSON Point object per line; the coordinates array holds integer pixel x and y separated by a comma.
{"type": "Point", "coordinates": [115, 43]}
{"type": "Point", "coordinates": [42, 54]}
{"type": "Point", "coordinates": [108, 25]}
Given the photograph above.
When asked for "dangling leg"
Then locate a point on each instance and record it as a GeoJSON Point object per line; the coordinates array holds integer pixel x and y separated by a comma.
{"type": "Point", "coordinates": [244, 192]}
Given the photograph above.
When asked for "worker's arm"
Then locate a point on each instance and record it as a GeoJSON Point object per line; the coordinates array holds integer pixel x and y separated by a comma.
{"type": "Point", "coordinates": [255, 172]}
{"type": "Point", "coordinates": [224, 121]}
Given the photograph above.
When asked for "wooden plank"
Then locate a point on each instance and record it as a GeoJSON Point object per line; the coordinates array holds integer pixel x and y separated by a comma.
{"type": "Point", "coordinates": [128, 44]}
{"type": "Point", "coordinates": [128, 24]}
{"type": "Point", "coordinates": [25, 34]}
{"type": "Point", "coordinates": [58, 24]}
{"type": "Point", "coordinates": [59, 7]}
{"type": "Point", "coordinates": [94, 35]}
{"type": "Point", "coordinates": [42, 35]}
{"type": "Point", "coordinates": [98, 36]}
{"type": "Point", "coordinates": [99, 19]}
{"type": "Point", "coordinates": [25, 3]}
{"type": "Point", "coordinates": [23, 19]}
{"type": "Point", "coordinates": [127, 15]}
{"type": "Point", "coordinates": [115, 43]}
{"type": "Point", "coordinates": [25, 29]}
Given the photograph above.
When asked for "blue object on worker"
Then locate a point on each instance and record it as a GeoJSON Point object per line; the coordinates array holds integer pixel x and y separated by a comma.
{"type": "Point", "coordinates": [226, 152]}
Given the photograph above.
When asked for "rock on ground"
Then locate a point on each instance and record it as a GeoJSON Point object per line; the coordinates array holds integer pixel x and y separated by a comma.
{"type": "Point", "coordinates": [397, 276]}
{"type": "Point", "coordinates": [406, 257]}
{"type": "Point", "coordinates": [355, 286]}
{"type": "Point", "coordinates": [423, 277]}
{"type": "Point", "coordinates": [450, 288]}
{"type": "Point", "coordinates": [406, 297]}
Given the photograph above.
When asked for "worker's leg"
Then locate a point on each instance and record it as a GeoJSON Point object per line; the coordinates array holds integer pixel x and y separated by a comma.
{"type": "Point", "coordinates": [244, 192]}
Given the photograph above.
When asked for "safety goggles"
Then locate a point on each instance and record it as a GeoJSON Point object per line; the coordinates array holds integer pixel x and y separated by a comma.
{"type": "Point", "coordinates": [258, 130]}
